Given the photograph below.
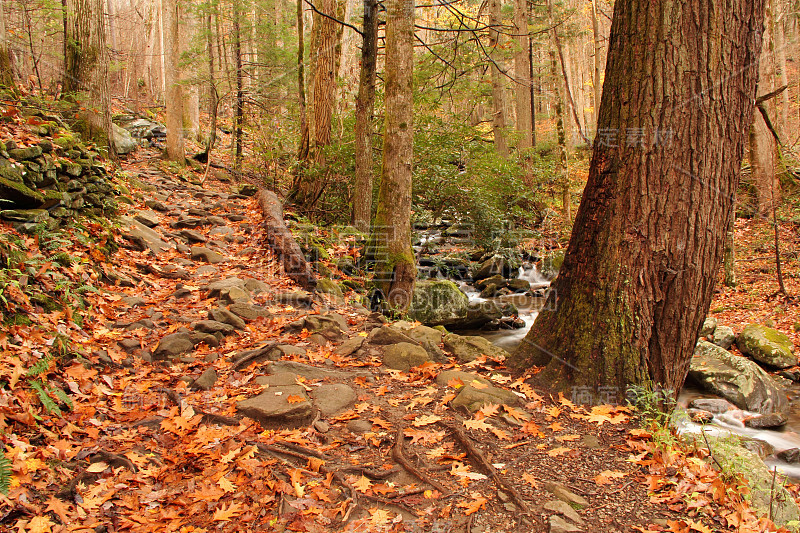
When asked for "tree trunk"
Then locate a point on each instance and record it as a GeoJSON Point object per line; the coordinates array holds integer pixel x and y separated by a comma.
{"type": "Point", "coordinates": [596, 84]}
{"type": "Point", "coordinates": [173, 97]}
{"type": "Point", "coordinates": [729, 255]}
{"type": "Point", "coordinates": [325, 66]}
{"type": "Point", "coordinates": [648, 240]}
{"type": "Point", "coordinates": [498, 94]}
{"type": "Point", "coordinates": [302, 150]}
{"type": "Point", "coordinates": [522, 73]}
{"type": "Point", "coordinates": [763, 148]}
{"type": "Point", "coordinates": [86, 67]}
{"type": "Point", "coordinates": [781, 75]}
{"type": "Point", "coordinates": [6, 69]}
{"type": "Point", "coordinates": [191, 96]}
{"type": "Point", "coordinates": [395, 270]}
{"type": "Point", "coordinates": [562, 171]}
{"type": "Point", "coordinates": [238, 110]}
{"type": "Point", "coordinates": [213, 96]}
{"type": "Point", "coordinates": [365, 103]}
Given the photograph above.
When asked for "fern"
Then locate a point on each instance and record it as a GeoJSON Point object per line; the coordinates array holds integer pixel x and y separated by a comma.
{"type": "Point", "coordinates": [48, 403]}
{"type": "Point", "coordinates": [62, 258]}
{"type": "Point", "coordinates": [5, 474]}
{"type": "Point", "coordinates": [41, 366]}
{"type": "Point", "coordinates": [61, 395]}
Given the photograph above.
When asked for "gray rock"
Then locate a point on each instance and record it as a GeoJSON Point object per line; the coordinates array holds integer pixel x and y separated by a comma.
{"type": "Point", "coordinates": [205, 270]}
{"type": "Point", "coordinates": [349, 346]}
{"type": "Point", "coordinates": [428, 338]}
{"type": "Point", "coordinates": [124, 143]}
{"type": "Point", "coordinates": [227, 317]}
{"type": "Point", "coordinates": [772, 420]}
{"type": "Point", "coordinates": [709, 325]}
{"type": "Point", "coordinates": [134, 301]}
{"type": "Point", "coordinates": [312, 372]}
{"type": "Point", "coordinates": [221, 230]}
{"type": "Point", "coordinates": [282, 379]}
{"type": "Point", "coordinates": [767, 345]}
{"type": "Point", "coordinates": [563, 508]}
{"type": "Point", "coordinates": [473, 398]}
{"type": "Point", "coordinates": [189, 222]}
{"type": "Point", "coordinates": [737, 379]}
{"type": "Point", "coordinates": [193, 236]}
{"type": "Point", "coordinates": [173, 345]}
{"type": "Point", "coordinates": [130, 345]}
{"type": "Point", "coordinates": [249, 311]}
{"type": "Point", "coordinates": [206, 380]}
{"type": "Point", "coordinates": [565, 495]}
{"type": "Point", "coordinates": [700, 416]}
{"type": "Point", "coordinates": [712, 405]}
{"type": "Point", "coordinates": [359, 426]}
{"type": "Point", "coordinates": [496, 265]}
{"type": "Point", "coordinates": [333, 399]}
{"type": "Point", "coordinates": [791, 456]}
{"type": "Point", "coordinates": [148, 218]}
{"type": "Point", "coordinates": [438, 302]}
{"type": "Point", "coordinates": [200, 253]}
{"type": "Point", "coordinates": [291, 350]}
{"type": "Point", "coordinates": [144, 237]}
{"type": "Point", "coordinates": [403, 356]}
{"type": "Point", "coordinates": [388, 335]}
{"type": "Point", "coordinates": [759, 447]}
{"type": "Point", "coordinates": [216, 288]}
{"type": "Point", "coordinates": [724, 337]}
{"type": "Point", "coordinates": [212, 326]}
{"type": "Point", "coordinates": [468, 348]}
{"type": "Point", "coordinates": [559, 525]}
{"type": "Point", "coordinates": [329, 326]}
{"type": "Point", "coordinates": [294, 298]}
{"type": "Point", "coordinates": [255, 286]}
{"type": "Point", "coordinates": [272, 407]}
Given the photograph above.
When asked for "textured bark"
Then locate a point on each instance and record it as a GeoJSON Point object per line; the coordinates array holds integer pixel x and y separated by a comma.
{"type": "Point", "coordinates": [173, 96]}
{"type": "Point", "coordinates": [302, 150]}
{"type": "Point", "coordinates": [283, 243]}
{"type": "Point", "coordinates": [238, 108]}
{"type": "Point", "coordinates": [325, 65]}
{"type": "Point", "coordinates": [522, 74]}
{"type": "Point", "coordinates": [561, 135]}
{"type": "Point", "coordinates": [781, 75]}
{"type": "Point", "coordinates": [763, 148]}
{"type": "Point", "coordinates": [498, 88]}
{"type": "Point", "coordinates": [86, 66]}
{"type": "Point", "coordinates": [191, 96]}
{"type": "Point", "coordinates": [395, 270]}
{"type": "Point", "coordinates": [649, 236]}
{"type": "Point", "coordinates": [596, 84]}
{"type": "Point", "coordinates": [365, 103]}
{"type": "Point", "coordinates": [6, 70]}
{"type": "Point", "coordinates": [729, 255]}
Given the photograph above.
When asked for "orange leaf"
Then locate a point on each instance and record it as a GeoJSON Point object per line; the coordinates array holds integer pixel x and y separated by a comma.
{"type": "Point", "coordinates": [555, 452]}
{"type": "Point", "coordinates": [294, 398]}
{"type": "Point", "coordinates": [605, 477]}
{"type": "Point", "coordinates": [477, 503]}
{"type": "Point", "coordinates": [223, 515]}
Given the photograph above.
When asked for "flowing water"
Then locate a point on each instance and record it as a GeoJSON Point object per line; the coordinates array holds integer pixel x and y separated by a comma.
{"type": "Point", "coordinates": [726, 424]}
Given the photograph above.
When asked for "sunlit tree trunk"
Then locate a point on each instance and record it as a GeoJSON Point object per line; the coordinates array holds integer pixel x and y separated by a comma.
{"type": "Point", "coordinates": [238, 109]}
{"type": "Point", "coordinates": [597, 84]}
{"type": "Point", "coordinates": [6, 70]}
{"type": "Point", "coordinates": [395, 270]}
{"type": "Point", "coordinates": [173, 97]}
{"type": "Point", "coordinates": [498, 77]}
{"type": "Point", "coordinates": [522, 74]}
{"type": "Point", "coordinates": [649, 236]}
{"type": "Point", "coordinates": [191, 95]}
{"type": "Point", "coordinates": [302, 150]}
{"type": "Point", "coordinates": [365, 103]}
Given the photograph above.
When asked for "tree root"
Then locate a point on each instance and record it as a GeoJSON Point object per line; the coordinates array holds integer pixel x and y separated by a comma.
{"type": "Point", "coordinates": [399, 458]}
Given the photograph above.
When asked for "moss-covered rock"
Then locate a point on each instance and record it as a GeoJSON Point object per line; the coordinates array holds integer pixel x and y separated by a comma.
{"type": "Point", "coordinates": [404, 355]}
{"type": "Point", "coordinates": [438, 302]}
{"type": "Point", "coordinates": [467, 348]}
{"type": "Point", "coordinates": [16, 194]}
{"type": "Point", "coordinates": [328, 286]}
{"type": "Point", "coordinates": [737, 379]}
{"type": "Point", "coordinates": [767, 345]}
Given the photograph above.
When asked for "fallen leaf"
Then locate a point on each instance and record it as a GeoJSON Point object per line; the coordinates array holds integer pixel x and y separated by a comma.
{"type": "Point", "coordinates": [97, 467]}
{"type": "Point", "coordinates": [224, 515]}
{"type": "Point", "coordinates": [606, 476]}
{"type": "Point", "coordinates": [474, 505]}
{"type": "Point", "coordinates": [425, 420]}
{"type": "Point", "coordinates": [555, 452]}
{"type": "Point", "coordinates": [477, 424]}
{"type": "Point", "coordinates": [294, 398]}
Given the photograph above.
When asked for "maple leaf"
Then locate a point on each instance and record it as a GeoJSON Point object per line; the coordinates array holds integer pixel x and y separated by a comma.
{"type": "Point", "coordinates": [59, 508]}
{"type": "Point", "coordinates": [555, 452]}
{"type": "Point", "coordinates": [225, 515]}
{"type": "Point", "coordinates": [489, 410]}
{"type": "Point", "coordinates": [40, 524]}
{"type": "Point", "coordinates": [383, 489]}
{"type": "Point", "coordinates": [605, 477]}
{"type": "Point", "coordinates": [517, 414]}
{"type": "Point", "coordinates": [500, 434]}
{"type": "Point", "coordinates": [532, 428]}
{"type": "Point", "coordinates": [567, 438]}
{"type": "Point", "coordinates": [474, 505]}
{"type": "Point", "coordinates": [363, 484]}
{"type": "Point", "coordinates": [553, 412]}
{"type": "Point", "coordinates": [294, 398]}
{"type": "Point", "coordinates": [463, 471]}
{"type": "Point", "coordinates": [477, 424]}
{"type": "Point", "coordinates": [296, 476]}
{"type": "Point", "coordinates": [425, 420]}
{"type": "Point", "coordinates": [555, 426]}
{"type": "Point", "coordinates": [529, 478]}
{"type": "Point", "coordinates": [97, 467]}
{"type": "Point", "coordinates": [378, 516]}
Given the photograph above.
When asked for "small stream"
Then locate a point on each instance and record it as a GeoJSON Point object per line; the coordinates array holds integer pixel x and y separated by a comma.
{"type": "Point", "coordinates": [766, 441]}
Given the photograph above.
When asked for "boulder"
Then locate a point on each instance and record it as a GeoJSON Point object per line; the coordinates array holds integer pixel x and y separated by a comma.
{"type": "Point", "coordinates": [438, 303]}
{"type": "Point", "coordinates": [388, 335]}
{"type": "Point", "coordinates": [294, 298]}
{"type": "Point", "coordinates": [473, 398]}
{"type": "Point", "coordinates": [328, 286]}
{"type": "Point", "coordinates": [772, 420]}
{"type": "Point", "coordinates": [709, 325]}
{"type": "Point", "coordinates": [766, 497]}
{"type": "Point", "coordinates": [212, 327]}
{"type": "Point", "coordinates": [403, 356]}
{"type": "Point", "coordinates": [144, 237]}
{"type": "Point", "coordinates": [467, 348]}
{"type": "Point", "coordinates": [206, 380]}
{"type": "Point", "coordinates": [201, 253]}
{"type": "Point", "coordinates": [278, 406]}
{"type": "Point", "coordinates": [333, 399]}
{"type": "Point", "coordinates": [723, 337]}
{"type": "Point", "coordinates": [227, 317]}
{"type": "Point", "coordinates": [331, 326]}
{"type": "Point", "coordinates": [737, 379]}
{"type": "Point", "coordinates": [123, 141]}
{"type": "Point", "coordinates": [248, 311]}
{"type": "Point", "coordinates": [498, 264]}
{"type": "Point", "coordinates": [173, 345]}
{"type": "Point", "coordinates": [712, 405]}
{"type": "Point", "coordinates": [767, 345]}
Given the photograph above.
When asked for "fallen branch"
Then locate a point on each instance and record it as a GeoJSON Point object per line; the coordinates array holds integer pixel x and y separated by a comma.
{"type": "Point", "coordinates": [256, 355]}
{"type": "Point", "coordinates": [397, 455]}
{"type": "Point", "coordinates": [282, 241]}
{"type": "Point", "coordinates": [487, 467]}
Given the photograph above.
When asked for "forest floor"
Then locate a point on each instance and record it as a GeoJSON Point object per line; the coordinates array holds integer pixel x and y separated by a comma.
{"type": "Point", "coordinates": [159, 445]}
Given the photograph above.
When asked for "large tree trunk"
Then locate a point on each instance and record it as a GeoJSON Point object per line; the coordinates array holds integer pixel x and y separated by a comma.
{"type": "Point", "coordinates": [191, 95]}
{"type": "Point", "coordinates": [6, 69]}
{"type": "Point", "coordinates": [365, 103]}
{"type": "Point", "coordinates": [325, 66]}
{"type": "Point", "coordinates": [173, 96]}
{"type": "Point", "coordinates": [238, 109]}
{"type": "Point", "coordinates": [522, 74]}
{"type": "Point", "coordinates": [86, 67]}
{"type": "Point", "coordinates": [648, 240]}
{"type": "Point", "coordinates": [302, 150]}
{"type": "Point", "coordinates": [395, 270]}
{"type": "Point", "coordinates": [763, 148]}
{"type": "Point", "coordinates": [498, 88]}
